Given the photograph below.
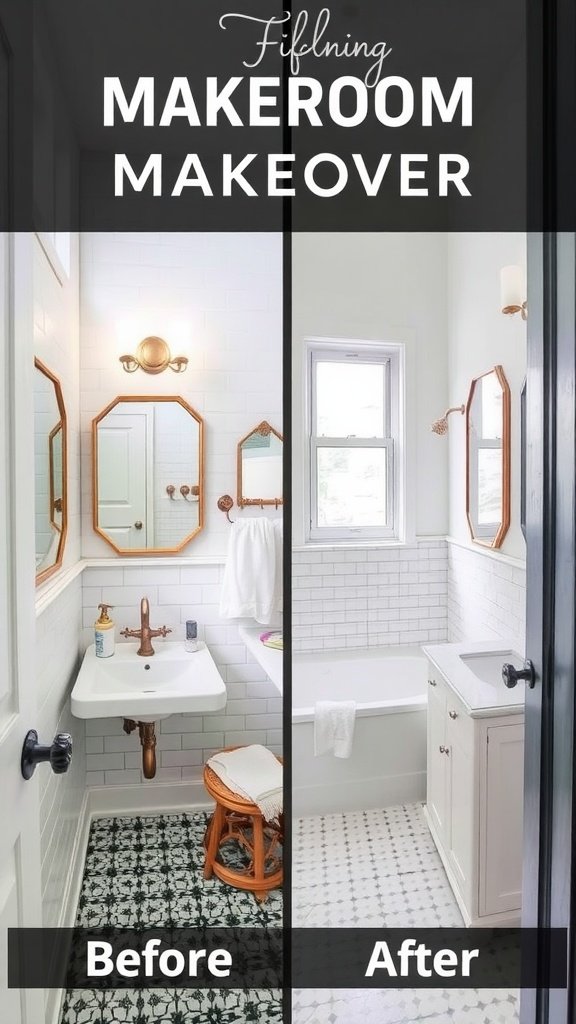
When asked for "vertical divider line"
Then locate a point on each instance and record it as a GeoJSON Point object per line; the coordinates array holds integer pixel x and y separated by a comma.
{"type": "Point", "coordinates": [287, 552]}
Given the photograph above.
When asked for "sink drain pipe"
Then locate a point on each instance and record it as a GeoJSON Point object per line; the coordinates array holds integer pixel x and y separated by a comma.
{"type": "Point", "coordinates": [147, 731]}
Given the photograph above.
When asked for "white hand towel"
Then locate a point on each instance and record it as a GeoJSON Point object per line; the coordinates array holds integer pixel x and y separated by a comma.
{"type": "Point", "coordinates": [278, 527]}
{"type": "Point", "coordinates": [334, 722]}
{"type": "Point", "coordinates": [250, 586]}
{"type": "Point", "coordinates": [254, 773]}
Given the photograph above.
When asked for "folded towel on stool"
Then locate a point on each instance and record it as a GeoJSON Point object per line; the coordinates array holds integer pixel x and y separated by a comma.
{"type": "Point", "coordinates": [334, 722]}
{"type": "Point", "coordinates": [255, 774]}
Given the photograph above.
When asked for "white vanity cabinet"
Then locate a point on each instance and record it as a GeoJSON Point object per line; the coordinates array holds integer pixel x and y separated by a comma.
{"type": "Point", "coordinates": [475, 799]}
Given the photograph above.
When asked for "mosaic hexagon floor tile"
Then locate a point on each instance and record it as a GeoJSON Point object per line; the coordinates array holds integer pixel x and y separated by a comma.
{"type": "Point", "coordinates": [380, 868]}
{"type": "Point", "coordinates": [144, 871]}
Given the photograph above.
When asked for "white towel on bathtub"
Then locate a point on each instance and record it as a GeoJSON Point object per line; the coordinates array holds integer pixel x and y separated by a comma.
{"type": "Point", "coordinates": [334, 722]}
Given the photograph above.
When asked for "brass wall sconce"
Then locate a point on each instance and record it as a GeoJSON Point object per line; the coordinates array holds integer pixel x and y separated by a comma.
{"type": "Point", "coordinates": [512, 288]}
{"type": "Point", "coordinates": [153, 356]}
{"type": "Point", "coordinates": [441, 426]}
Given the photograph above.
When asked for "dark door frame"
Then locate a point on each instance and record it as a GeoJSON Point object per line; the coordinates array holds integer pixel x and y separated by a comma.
{"type": "Point", "coordinates": [550, 488]}
{"type": "Point", "coordinates": [542, 547]}
{"type": "Point", "coordinates": [550, 771]}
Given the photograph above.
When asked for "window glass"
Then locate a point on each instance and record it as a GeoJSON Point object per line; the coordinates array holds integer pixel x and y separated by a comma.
{"type": "Point", "coordinates": [352, 487]}
{"type": "Point", "coordinates": [350, 399]}
{"type": "Point", "coordinates": [355, 398]}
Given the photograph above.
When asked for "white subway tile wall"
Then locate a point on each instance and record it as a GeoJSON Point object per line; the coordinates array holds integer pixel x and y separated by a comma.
{"type": "Point", "coordinates": [253, 713]}
{"type": "Point", "coordinates": [430, 592]}
{"type": "Point", "coordinates": [370, 597]}
{"type": "Point", "coordinates": [58, 632]}
{"type": "Point", "coordinates": [176, 451]}
{"type": "Point", "coordinates": [215, 298]}
{"type": "Point", "coordinates": [486, 597]}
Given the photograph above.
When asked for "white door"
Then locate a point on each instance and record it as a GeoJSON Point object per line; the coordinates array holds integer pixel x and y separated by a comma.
{"type": "Point", "coordinates": [20, 880]}
{"type": "Point", "coordinates": [122, 479]}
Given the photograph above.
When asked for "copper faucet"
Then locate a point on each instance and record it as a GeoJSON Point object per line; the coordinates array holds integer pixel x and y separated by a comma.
{"type": "Point", "coordinates": [145, 634]}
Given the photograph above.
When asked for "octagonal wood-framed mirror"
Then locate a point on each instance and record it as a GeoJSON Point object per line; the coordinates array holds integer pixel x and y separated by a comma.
{"type": "Point", "coordinates": [148, 474]}
{"type": "Point", "coordinates": [488, 458]}
{"type": "Point", "coordinates": [50, 472]}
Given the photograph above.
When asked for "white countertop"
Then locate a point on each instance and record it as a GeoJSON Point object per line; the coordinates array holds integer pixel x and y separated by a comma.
{"type": "Point", "coordinates": [482, 698]}
{"type": "Point", "coordinates": [270, 659]}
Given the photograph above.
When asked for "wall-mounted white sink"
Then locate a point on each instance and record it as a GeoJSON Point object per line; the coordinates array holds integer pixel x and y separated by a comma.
{"type": "Point", "coordinates": [127, 685]}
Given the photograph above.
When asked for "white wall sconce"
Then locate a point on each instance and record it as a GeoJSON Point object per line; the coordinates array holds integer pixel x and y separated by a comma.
{"type": "Point", "coordinates": [153, 356]}
{"type": "Point", "coordinates": [512, 291]}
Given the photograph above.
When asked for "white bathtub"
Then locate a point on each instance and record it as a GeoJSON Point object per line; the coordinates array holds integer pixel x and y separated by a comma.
{"type": "Point", "coordinates": [388, 762]}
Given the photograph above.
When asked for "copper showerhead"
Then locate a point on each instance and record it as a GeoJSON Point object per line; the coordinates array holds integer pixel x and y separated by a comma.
{"type": "Point", "coordinates": [441, 426]}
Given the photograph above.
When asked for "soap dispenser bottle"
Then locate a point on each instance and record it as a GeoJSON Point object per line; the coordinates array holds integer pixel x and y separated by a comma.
{"type": "Point", "coordinates": [104, 629]}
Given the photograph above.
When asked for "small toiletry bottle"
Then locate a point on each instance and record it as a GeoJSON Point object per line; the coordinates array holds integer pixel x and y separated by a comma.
{"type": "Point", "coordinates": [104, 629]}
{"type": "Point", "coordinates": [191, 643]}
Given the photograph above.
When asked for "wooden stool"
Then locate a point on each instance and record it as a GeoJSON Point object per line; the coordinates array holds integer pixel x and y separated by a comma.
{"type": "Point", "coordinates": [233, 819]}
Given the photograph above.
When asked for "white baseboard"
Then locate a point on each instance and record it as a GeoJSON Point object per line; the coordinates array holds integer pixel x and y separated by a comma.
{"type": "Point", "coordinates": [141, 799]}
{"type": "Point", "coordinates": [74, 883]}
{"type": "Point", "coordinates": [358, 794]}
{"type": "Point", "coordinates": [55, 997]}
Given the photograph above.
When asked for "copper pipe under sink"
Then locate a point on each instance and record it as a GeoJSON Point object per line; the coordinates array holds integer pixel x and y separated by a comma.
{"type": "Point", "coordinates": [147, 731]}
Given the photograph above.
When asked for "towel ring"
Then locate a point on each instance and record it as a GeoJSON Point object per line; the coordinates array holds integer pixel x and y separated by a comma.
{"type": "Point", "coordinates": [225, 503]}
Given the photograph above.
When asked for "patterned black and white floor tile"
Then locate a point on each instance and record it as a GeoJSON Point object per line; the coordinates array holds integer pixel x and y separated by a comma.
{"type": "Point", "coordinates": [172, 1006]}
{"type": "Point", "coordinates": [146, 871]}
{"type": "Point", "coordinates": [380, 868]}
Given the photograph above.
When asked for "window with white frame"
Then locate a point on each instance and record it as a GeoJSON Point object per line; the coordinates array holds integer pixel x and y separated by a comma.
{"type": "Point", "coordinates": [355, 401]}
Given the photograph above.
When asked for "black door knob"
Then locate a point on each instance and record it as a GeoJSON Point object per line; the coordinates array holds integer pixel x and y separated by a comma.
{"type": "Point", "coordinates": [511, 675]}
{"type": "Point", "coordinates": [59, 754]}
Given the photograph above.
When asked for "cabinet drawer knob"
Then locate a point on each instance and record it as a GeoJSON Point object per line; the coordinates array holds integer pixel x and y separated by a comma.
{"type": "Point", "coordinates": [443, 749]}
{"type": "Point", "coordinates": [431, 682]}
{"type": "Point", "coordinates": [453, 714]}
